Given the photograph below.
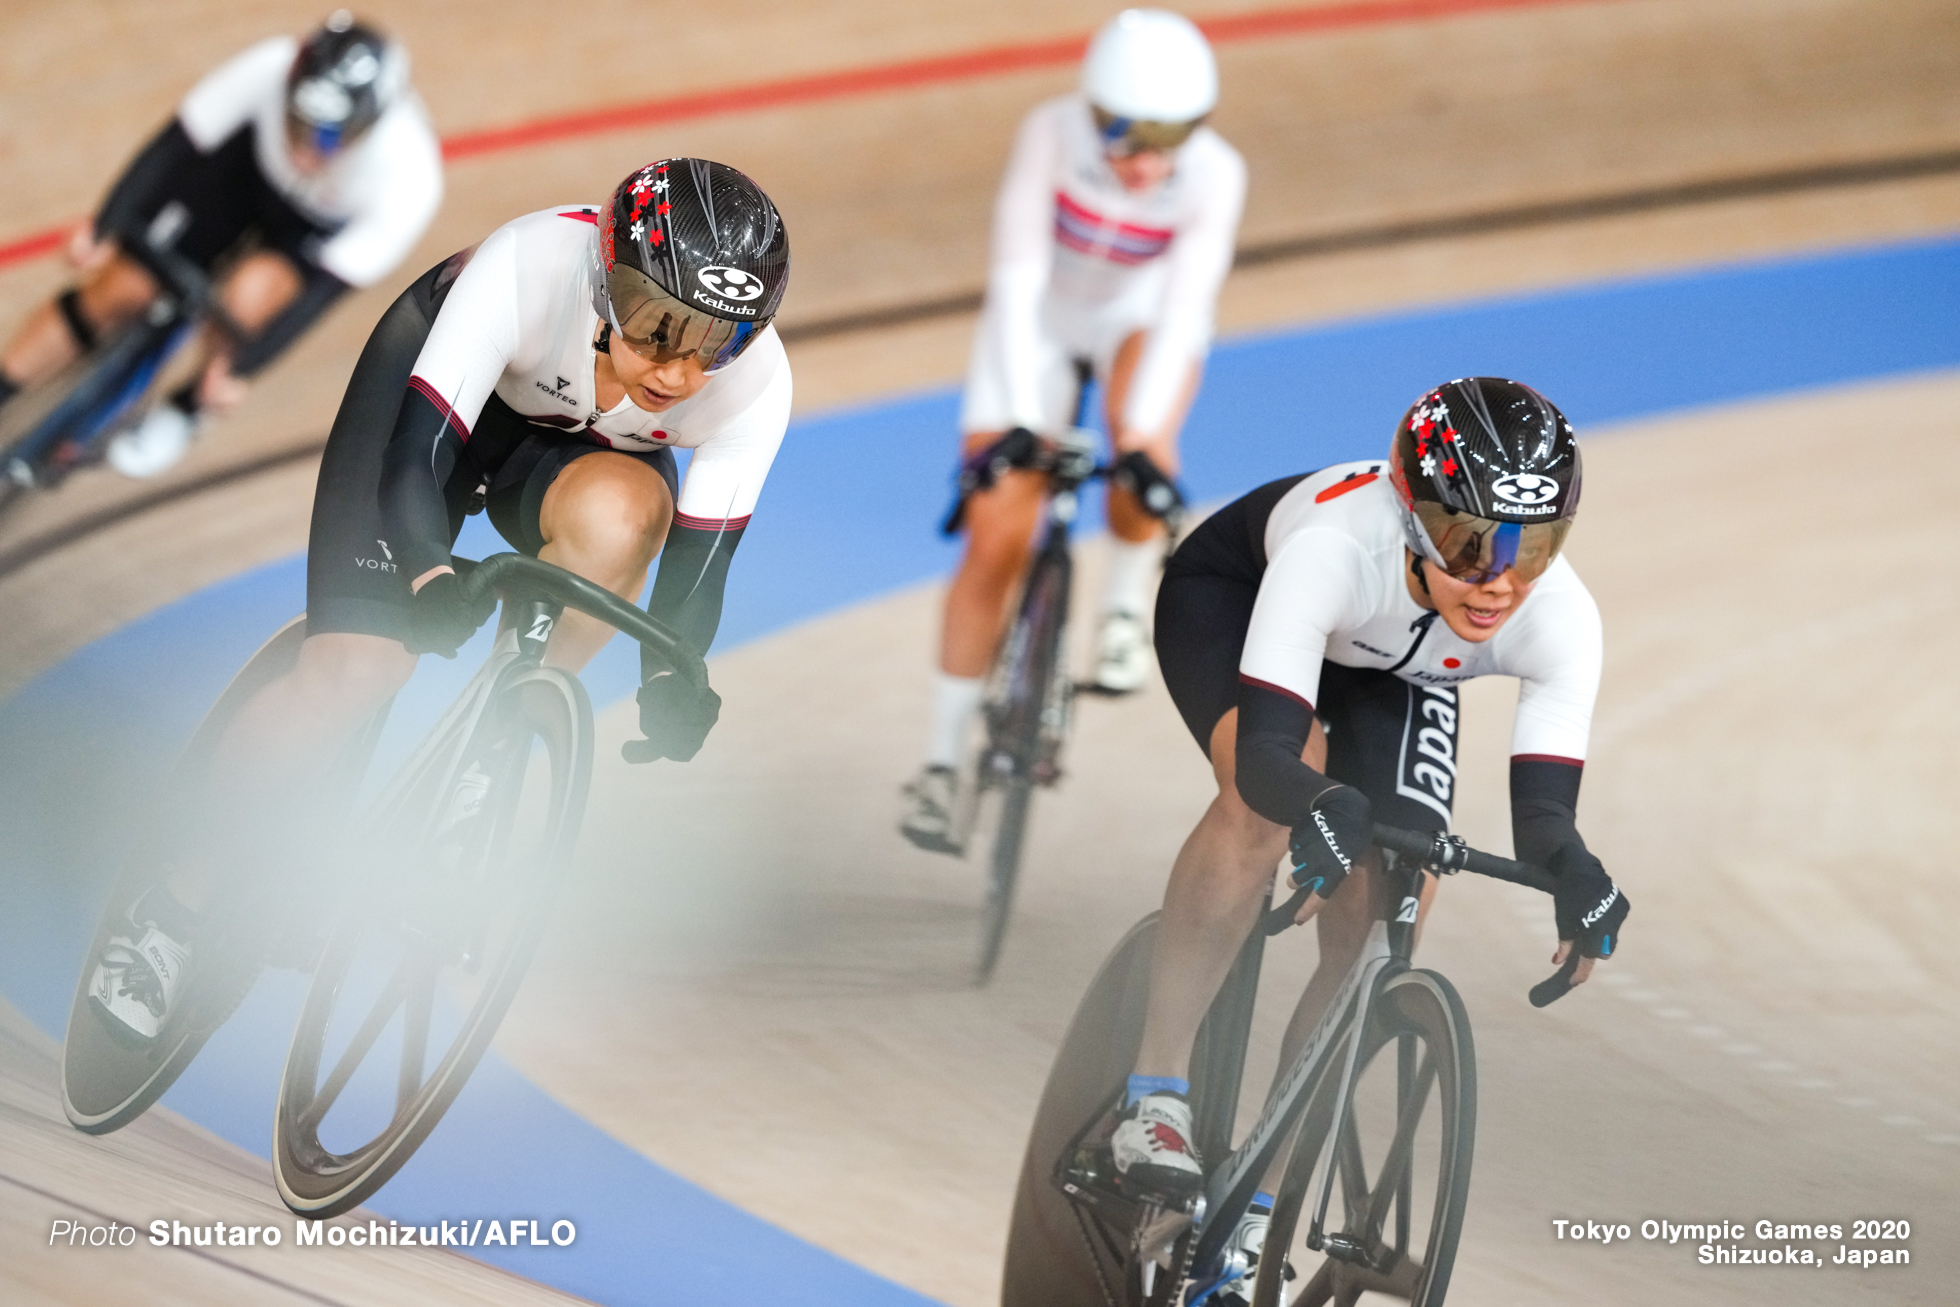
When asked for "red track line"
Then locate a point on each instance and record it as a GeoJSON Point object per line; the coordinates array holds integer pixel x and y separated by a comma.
{"type": "Point", "coordinates": [33, 247]}
{"type": "Point", "coordinates": [936, 71]}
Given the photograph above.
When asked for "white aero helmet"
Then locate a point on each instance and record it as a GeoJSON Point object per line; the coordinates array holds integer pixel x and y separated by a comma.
{"type": "Point", "coordinates": [1150, 77]}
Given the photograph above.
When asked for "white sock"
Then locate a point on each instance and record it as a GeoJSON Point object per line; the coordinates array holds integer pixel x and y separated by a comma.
{"type": "Point", "coordinates": [1132, 575]}
{"type": "Point", "coordinates": [954, 701]}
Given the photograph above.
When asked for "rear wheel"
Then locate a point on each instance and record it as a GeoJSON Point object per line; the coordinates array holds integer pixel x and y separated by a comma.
{"type": "Point", "coordinates": [420, 970]}
{"type": "Point", "coordinates": [1074, 1239]}
{"type": "Point", "coordinates": [106, 1082]}
{"type": "Point", "coordinates": [1401, 1158]}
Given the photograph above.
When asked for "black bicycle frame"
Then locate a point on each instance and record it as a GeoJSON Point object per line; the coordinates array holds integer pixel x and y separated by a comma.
{"type": "Point", "coordinates": [132, 360]}
{"type": "Point", "coordinates": [1390, 943]}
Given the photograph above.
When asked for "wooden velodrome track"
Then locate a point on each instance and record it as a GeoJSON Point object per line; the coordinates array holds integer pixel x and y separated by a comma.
{"type": "Point", "coordinates": [1772, 762]}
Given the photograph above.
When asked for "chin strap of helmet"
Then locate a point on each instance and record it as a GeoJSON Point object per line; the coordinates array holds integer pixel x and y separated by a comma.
{"type": "Point", "coordinates": [1415, 570]}
{"type": "Point", "coordinates": [603, 345]}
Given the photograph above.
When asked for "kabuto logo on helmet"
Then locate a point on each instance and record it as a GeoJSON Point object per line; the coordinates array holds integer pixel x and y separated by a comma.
{"type": "Point", "coordinates": [730, 283]}
{"type": "Point", "coordinates": [1526, 488]}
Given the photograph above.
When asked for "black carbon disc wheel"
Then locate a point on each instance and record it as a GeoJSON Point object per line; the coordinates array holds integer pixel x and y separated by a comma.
{"type": "Point", "coordinates": [1057, 1254]}
{"type": "Point", "coordinates": [1401, 1158]}
{"type": "Point", "coordinates": [105, 1082]}
{"type": "Point", "coordinates": [417, 976]}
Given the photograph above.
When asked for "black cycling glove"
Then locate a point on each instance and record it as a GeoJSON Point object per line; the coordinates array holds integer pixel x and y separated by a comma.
{"type": "Point", "coordinates": [1139, 474]}
{"type": "Point", "coordinates": [441, 618]}
{"type": "Point", "coordinates": [1589, 906]}
{"type": "Point", "coordinates": [1326, 846]}
{"type": "Point", "coordinates": [675, 717]}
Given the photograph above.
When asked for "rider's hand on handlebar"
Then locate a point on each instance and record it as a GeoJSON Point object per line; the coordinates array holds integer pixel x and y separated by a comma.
{"type": "Point", "coordinates": [1327, 845]}
{"type": "Point", "coordinates": [675, 717]}
{"type": "Point", "coordinates": [1589, 907]}
{"type": "Point", "coordinates": [442, 617]}
{"type": "Point", "coordinates": [1155, 492]}
{"type": "Point", "coordinates": [86, 250]}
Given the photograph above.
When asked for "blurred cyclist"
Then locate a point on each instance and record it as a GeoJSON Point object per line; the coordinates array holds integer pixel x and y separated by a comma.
{"type": "Point", "coordinates": [1113, 231]}
{"type": "Point", "coordinates": [312, 163]}
{"type": "Point", "coordinates": [547, 375]}
{"type": "Point", "coordinates": [1312, 635]}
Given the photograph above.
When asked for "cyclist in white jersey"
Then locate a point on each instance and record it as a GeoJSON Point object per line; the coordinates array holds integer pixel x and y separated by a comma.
{"type": "Point", "coordinates": [1113, 230]}
{"type": "Point", "coordinates": [546, 376]}
{"type": "Point", "coordinates": [1312, 635]}
{"type": "Point", "coordinates": [319, 149]}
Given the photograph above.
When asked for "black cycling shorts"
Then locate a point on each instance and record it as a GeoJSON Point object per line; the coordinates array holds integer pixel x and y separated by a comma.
{"type": "Point", "coordinates": [1392, 740]}
{"type": "Point", "coordinates": [352, 582]}
{"type": "Point", "coordinates": [223, 196]}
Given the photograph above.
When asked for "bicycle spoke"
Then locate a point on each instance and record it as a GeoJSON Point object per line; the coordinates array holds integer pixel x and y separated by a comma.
{"type": "Point", "coordinates": [415, 1032]}
{"type": "Point", "coordinates": [1405, 1075]}
{"type": "Point", "coordinates": [1395, 1165]}
{"type": "Point", "coordinates": [357, 1049]}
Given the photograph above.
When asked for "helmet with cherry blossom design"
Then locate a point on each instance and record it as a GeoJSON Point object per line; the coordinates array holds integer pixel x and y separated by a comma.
{"type": "Point", "coordinates": [692, 258]}
{"type": "Point", "coordinates": [1487, 473]}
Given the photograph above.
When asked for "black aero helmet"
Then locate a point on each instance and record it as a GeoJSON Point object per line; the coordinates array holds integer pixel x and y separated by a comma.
{"type": "Point", "coordinates": [346, 76]}
{"type": "Point", "coordinates": [1487, 473]}
{"type": "Point", "coordinates": [692, 259]}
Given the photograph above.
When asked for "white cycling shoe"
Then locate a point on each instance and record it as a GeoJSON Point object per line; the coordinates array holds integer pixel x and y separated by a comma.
{"type": "Point", "coordinates": [137, 979]}
{"type": "Point", "coordinates": [1152, 1146]}
{"type": "Point", "coordinates": [1239, 1267]}
{"type": "Point", "coordinates": [1122, 655]}
{"type": "Point", "coordinates": [928, 819]}
{"type": "Point", "coordinates": [154, 445]}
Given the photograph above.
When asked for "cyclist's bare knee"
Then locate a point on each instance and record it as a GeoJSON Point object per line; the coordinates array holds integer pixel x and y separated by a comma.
{"type": "Point", "coordinates": [115, 293]}
{"type": "Point", "coordinates": [259, 287]}
{"type": "Point", "coordinates": [608, 512]}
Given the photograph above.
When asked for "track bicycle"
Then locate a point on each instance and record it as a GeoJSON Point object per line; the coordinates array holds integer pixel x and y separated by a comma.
{"type": "Point", "coordinates": [64, 425]}
{"type": "Point", "coordinates": [440, 907]}
{"type": "Point", "coordinates": [1026, 707]}
{"type": "Point", "coordinates": [1378, 1106]}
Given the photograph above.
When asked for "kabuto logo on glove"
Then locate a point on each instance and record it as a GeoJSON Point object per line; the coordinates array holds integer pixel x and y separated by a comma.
{"type": "Point", "coordinates": [1600, 909]}
{"type": "Point", "coordinates": [1327, 833]}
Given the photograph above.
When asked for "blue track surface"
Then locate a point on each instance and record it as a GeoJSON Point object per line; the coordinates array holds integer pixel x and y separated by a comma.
{"type": "Point", "coordinates": [849, 513]}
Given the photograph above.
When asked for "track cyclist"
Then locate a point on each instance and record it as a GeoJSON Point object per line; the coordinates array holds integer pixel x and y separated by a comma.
{"type": "Point", "coordinates": [1312, 635]}
{"type": "Point", "coordinates": [547, 375]}
{"type": "Point", "coordinates": [309, 166]}
{"type": "Point", "coordinates": [1113, 230]}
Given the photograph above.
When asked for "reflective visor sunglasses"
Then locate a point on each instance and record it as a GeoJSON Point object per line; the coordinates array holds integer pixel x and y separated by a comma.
{"type": "Point", "coordinates": [659, 326]}
{"type": "Point", "coordinates": [1127, 136]}
{"type": "Point", "coordinates": [1476, 549]}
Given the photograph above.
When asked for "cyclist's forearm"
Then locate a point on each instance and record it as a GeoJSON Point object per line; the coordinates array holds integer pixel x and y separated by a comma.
{"type": "Point", "coordinates": [168, 153]}
{"type": "Point", "coordinates": [318, 295]}
{"type": "Point", "coordinates": [1272, 778]}
{"type": "Point", "coordinates": [421, 454]}
{"type": "Point", "coordinates": [1544, 808]}
{"type": "Point", "coordinates": [687, 592]}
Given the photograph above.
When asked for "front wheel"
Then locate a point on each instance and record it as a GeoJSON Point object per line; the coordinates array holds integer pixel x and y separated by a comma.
{"type": "Point", "coordinates": [1025, 716]}
{"type": "Point", "coordinates": [418, 974]}
{"type": "Point", "coordinates": [1401, 1158]}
